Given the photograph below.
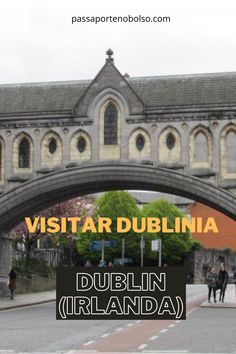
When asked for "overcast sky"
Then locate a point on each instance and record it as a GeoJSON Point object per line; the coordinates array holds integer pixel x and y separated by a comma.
{"type": "Point", "coordinates": [39, 43]}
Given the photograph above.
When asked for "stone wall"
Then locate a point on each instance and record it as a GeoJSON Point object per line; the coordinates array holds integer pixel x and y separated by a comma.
{"type": "Point", "coordinates": [31, 285]}
{"type": "Point", "coordinates": [5, 262]}
{"type": "Point", "coordinates": [199, 261]}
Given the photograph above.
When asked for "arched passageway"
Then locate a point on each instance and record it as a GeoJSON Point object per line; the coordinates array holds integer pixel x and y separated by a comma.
{"type": "Point", "coordinates": [42, 192]}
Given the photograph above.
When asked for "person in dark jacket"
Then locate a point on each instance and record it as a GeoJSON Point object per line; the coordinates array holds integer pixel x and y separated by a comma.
{"type": "Point", "coordinates": [223, 278]}
{"type": "Point", "coordinates": [12, 282]}
{"type": "Point", "coordinates": [211, 280]}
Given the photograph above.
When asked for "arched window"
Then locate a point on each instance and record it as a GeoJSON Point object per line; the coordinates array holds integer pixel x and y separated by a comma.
{"type": "Point", "coordinates": [170, 149]}
{"type": "Point", "coordinates": [81, 144]}
{"type": "Point", "coordinates": [231, 151]}
{"type": "Point", "coordinates": [52, 146]}
{"type": "Point", "coordinates": [24, 153]}
{"type": "Point", "coordinates": [140, 142]}
{"type": "Point", "coordinates": [110, 125]}
{"type": "Point", "coordinates": [170, 141]}
{"type": "Point", "coordinates": [51, 150]}
{"type": "Point", "coordinates": [201, 147]}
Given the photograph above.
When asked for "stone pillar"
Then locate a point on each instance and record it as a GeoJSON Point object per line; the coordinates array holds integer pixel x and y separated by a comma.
{"type": "Point", "coordinates": [5, 262]}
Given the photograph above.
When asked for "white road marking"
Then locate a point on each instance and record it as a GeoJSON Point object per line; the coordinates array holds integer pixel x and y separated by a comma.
{"type": "Point", "coordinates": [138, 321]}
{"type": "Point", "coordinates": [85, 351]}
{"type": "Point", "coordinates": [164, 330]}
{"type": "Point", "coordinates": [130, 324]}
{"type": "Point", "coordinates": [172, 325]}
{"type": "Point", "coordinates": [75, 351]}
{"type": "Point", "coordinates": [153, 338]}
{"type": "Point", "coordinates": [142, 346]}
{"type": "Point", "coordinates": [119, 329]}
{"type": "Point", "coordinates": [89, 342]}
{"type": "Point", "coordinates": [105, 335]}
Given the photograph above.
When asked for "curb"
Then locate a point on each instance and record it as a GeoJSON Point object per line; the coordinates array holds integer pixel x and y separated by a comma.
{"type": "Point", "coordinates": [230, 300]}
{"type": "Point", "coordinates": [26, 305]}
{"type": "Point", "coordinates": [218, 306]}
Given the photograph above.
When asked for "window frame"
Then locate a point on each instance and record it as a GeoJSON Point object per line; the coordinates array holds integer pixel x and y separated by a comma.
{"type": "Point", "coordinates": [110, 133]}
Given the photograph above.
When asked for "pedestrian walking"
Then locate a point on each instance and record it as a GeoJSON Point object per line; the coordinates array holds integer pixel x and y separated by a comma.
{"type": "Point", "coordinates": [223, 278]}
{"type": "Point", "coordinates": [12, 283]}
{"type": "Point", "coordinates": [102, 263]}
{"type": "Point", "coordinates": [211, 281]}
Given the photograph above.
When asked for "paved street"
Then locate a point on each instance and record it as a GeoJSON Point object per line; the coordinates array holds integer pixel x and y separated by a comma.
{"type": "Point", "coordinates": [34, 329]}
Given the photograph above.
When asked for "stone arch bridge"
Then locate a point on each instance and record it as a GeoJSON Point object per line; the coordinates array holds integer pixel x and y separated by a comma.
{"type": "Point", "coordinates": [175, 134]}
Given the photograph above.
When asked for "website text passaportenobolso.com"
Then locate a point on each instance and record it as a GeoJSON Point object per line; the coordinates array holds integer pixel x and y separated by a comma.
{"type": "Point", "coordinates": [120, 19]}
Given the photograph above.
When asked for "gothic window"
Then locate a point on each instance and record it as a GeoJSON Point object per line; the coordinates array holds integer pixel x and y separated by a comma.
{"type": "Point", "coordinates": [201, 147]}
{"type": "Point", "coordinates": [140, 142]}
{"type": "Point", "coordinates": [52, 146]}
{"type": "Point", "coordinates": [231, 151]}
{"type": "Point", "coordinates": [24, 153]}
{"type": "Point", "coordinates": [110, 125]}
{"type": "Point", "coordinates": [81, 144]}
{"type": "Point", "coordinates": [170, 141]}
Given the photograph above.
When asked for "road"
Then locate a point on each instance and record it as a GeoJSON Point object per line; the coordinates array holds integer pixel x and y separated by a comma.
{"type": "Point", "coordinates": [35, 330]}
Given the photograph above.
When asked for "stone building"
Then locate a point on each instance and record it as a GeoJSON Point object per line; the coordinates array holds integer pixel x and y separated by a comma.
{"type": "Point", "coordinates": [183, 123]}
{"type": "Point", "coordinates": [174, 134]}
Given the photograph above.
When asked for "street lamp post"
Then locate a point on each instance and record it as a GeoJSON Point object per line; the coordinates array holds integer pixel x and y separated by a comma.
{"type": "Point", "coordinates": [103, 250]}
{"type": "Point", "coordinates": [123, 252]}
{"type": "Point", "coordinates": [141, 249]}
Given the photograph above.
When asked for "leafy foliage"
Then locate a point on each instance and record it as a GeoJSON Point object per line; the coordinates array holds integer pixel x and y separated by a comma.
{"type": "Point", "coordinates": [81, 206]}
{"type": "Point", "coordinates": [113, 205]}
{"type": "Point", "coordinates": [174, 245]}
{"type": "Point", "coordinates": [35, 265]}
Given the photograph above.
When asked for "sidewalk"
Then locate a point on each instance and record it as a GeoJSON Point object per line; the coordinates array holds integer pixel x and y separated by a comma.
{"type": "Point", "coordinates": [23, 300]}
{"type": "Point", "coordinates": [229, 301]}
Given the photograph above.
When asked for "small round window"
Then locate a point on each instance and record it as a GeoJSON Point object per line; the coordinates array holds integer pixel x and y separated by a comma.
{"type": "Point", "coordinates": [140, 142]}
{"type": "Point", "coordinates": [81, 144]}
{"type": "Point", "coordinates": [170, 141]}
{"type": "Point", "coordinates": [52, 146]}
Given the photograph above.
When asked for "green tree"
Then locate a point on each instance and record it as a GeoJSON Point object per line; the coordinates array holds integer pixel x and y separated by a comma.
{"type": "Point", "coordinates": [80, 206]}
{"type": "Point", "coordinates": [174, 245]}
{"type": "Point", "coordinates": [112, 205]}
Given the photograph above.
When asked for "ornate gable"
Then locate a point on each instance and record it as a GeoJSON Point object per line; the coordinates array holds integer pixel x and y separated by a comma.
{"type": "Point", "coordinates": [109, 78]}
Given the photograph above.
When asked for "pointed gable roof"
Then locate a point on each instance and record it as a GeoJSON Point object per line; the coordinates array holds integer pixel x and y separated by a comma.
{"type": "Point", "coordinates": [109, 77]}
{"type": "Point", "coordinates": [144, 95]}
